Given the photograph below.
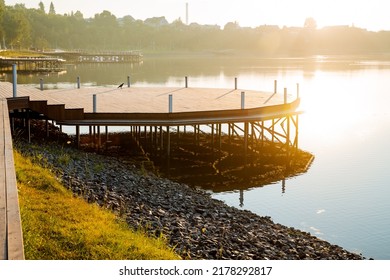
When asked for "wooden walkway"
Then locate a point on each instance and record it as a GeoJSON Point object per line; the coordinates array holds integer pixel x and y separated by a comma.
{"type": "Point", "coordinates": [38, 64]}
{"type": "Point", "coordinates": [11, 239]}
{"type": "Point", "coordinates": [83, 56]}
{"type": "Point", "coordinates": [132, 103]}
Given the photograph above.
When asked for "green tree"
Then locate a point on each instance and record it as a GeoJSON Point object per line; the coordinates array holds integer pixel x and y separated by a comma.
{"type": "Point", "coordinates": [17, 27]}
{"type": "Point", "coordinates": [104, 29]}
{"type": "Point", "coordinates": [2, 10]}
{"type": "Point", "coordinates": [41, 7]}
{"type": "Point", "coordinates": [52, 11]}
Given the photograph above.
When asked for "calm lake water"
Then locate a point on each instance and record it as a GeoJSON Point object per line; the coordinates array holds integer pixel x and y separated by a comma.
{"type": "Point", "coordinates": [344, 197]}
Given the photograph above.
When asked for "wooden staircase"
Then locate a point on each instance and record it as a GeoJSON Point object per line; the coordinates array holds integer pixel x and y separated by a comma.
{"type": "Point", "coordinates": [56, 112]}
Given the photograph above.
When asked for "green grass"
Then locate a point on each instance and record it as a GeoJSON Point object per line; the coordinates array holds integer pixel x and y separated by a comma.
{"type": "Point", "coordinates": [58, 225]}
{"type": "Point", "coordinates": [14, 53]}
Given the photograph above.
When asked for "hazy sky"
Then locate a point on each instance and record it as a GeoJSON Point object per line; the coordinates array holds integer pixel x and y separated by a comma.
{"type": "Point", "coordinates": [373, 14]}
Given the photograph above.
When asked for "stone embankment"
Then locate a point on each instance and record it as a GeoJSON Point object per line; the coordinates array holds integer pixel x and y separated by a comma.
{"type": "Point", "coordinates": [196, 225]}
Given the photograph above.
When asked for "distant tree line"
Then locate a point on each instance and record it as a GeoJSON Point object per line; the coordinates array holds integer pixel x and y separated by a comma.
{"type": "Point", "coordinates": [23, 28]}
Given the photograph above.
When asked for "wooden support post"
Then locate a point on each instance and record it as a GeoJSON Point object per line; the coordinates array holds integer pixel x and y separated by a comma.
{"type": "Point", "coordinates": [168, 142]}
{"type": "Point", "coordinates": [288, 131]}
{"type": "Point", "coordinates": [155, 137]}
{"type": "Point", "coordinates": [107, 139]}
{"type": "Point", "coordinates": [262, 133]}
{"type": "Point", "coordinates": [252, 139]}
{"type": "Point", "coordinates": [94, 137]}
{"type": "Point", "coordinates": [78, 136]}
{"type": "Point", "coordinates": [246, 141]}
{"type": "Point", "coordinates": [212, 139]}
{"type": "Point", "coordinates": [186, 82]}
{"type": "Point", "coordinates": [195, 133]}
{"type": "Point", "coordinates": [14, 80]}
{"type": "Point", "coordinates": [161, 139]}
{"type": "Point", "coordinates": [219, 139]}
{"type": "Point", "coordinates": [99, 139]}
{"type": "Point", "coordinates": [229, 133]}
{"type": "Point", "coordinates": [198, 133]}
{"type": "Point", "coordinates": [128, 81]}
{"type": "Point", "coordinates": [78, 82]}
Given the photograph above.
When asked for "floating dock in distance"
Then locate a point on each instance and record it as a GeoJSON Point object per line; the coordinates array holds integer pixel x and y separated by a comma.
{"type": "Point", "coordinates": [32, 64]}
{"type": "Point", "coordinates": [83, 56]}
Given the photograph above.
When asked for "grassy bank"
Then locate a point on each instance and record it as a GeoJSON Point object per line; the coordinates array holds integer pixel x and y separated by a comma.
{"type": "Point", "coordinates": [58, 225]}
{"type": "Point", "coordinates": [14, 53]}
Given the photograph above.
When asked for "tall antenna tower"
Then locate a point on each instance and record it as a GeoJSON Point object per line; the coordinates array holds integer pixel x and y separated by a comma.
{"type": "Point", "coordinates": [187, 13]}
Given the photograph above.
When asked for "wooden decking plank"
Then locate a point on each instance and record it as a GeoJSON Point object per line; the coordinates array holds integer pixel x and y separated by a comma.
{"type": "Point", "coordinates": [14, 224]}
{"type": "Point", "coordinates": [3, 196]}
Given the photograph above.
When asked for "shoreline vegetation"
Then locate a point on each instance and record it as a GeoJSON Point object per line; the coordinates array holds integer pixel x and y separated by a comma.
{"type": "Point", "coordinates": [194, 225]}
{"type": "Point", "coordinates": [38, 29]}
{"type": "Point", "coordinates": [60, 226]}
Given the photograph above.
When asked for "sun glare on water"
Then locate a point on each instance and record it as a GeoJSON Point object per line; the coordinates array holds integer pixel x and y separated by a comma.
{"type": "Point", "coordinates": [332, 107]}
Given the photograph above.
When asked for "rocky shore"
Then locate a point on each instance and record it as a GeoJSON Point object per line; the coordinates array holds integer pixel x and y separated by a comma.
{"type": "Point", "coordinates": [195, 225]}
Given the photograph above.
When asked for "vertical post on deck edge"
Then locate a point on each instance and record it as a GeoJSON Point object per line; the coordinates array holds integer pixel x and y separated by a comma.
{"type": "Point", "coordinates": [242, 100]}
{"type": "Point", "coordinates": [170, 105]}
{"type": "Point", "coordinates": [14, 80]}
{"type": "Point", "coordinates": [275, 86]}
{"type": "Point", "coordinates": [94, 103]}
{"type": "Point", "coordinates": [285, 95]}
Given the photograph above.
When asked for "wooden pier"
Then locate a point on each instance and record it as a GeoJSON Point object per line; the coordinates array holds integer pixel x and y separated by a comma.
{"type": "Point", "coordinates": [32, 64]}
{"type": "Point", "coordinates": [83, 56]}
{"type": "Point", "coordinates": [160, 110]}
